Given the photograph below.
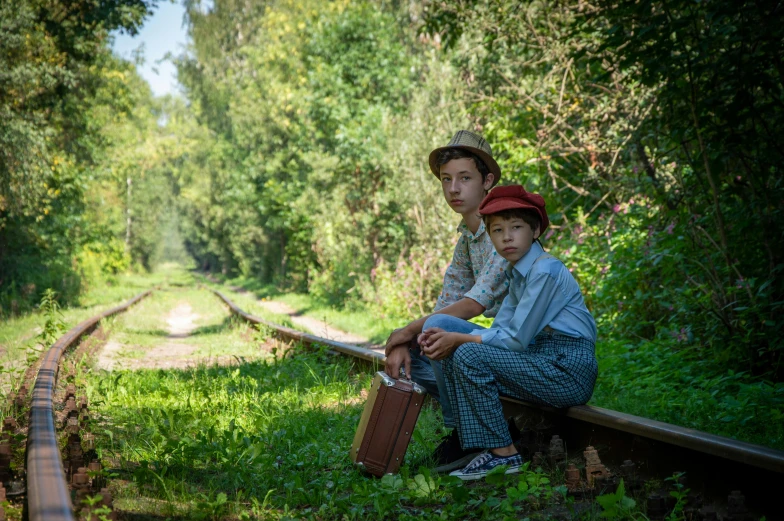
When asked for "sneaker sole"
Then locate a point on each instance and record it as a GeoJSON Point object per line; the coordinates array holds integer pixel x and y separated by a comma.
{"type": "Point", "coordinates": [474, 477]}
{"type": "Point", "coordinates": [457, 464]}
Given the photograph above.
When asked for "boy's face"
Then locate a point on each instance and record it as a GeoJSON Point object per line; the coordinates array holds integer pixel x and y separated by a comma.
{"type": "Point", "coordinates": [463, 186]}
{"type": "Point", "coordinates": [512, 238]}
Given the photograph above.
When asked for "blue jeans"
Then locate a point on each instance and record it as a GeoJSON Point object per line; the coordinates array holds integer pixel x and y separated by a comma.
{"type": "Point", "coordinates": [428, 373]}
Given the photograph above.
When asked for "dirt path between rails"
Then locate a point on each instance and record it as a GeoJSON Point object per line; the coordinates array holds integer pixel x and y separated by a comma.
{"type": "Point", "coordinates": [317, 327]}
{"type": "Point", "coordinates": [172, 353]}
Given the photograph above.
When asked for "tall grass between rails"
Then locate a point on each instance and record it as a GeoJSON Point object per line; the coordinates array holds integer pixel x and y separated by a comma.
{"type": "Point", "coordinates": [269, 439]}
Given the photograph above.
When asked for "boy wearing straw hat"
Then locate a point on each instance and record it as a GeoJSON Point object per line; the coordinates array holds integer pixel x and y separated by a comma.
{"type": "Point", "coordinates": [540, 347]}
{"type": "Point", "coordinates": [474, 282]}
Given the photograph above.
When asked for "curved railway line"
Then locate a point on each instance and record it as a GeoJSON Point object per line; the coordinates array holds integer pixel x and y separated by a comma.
{"type": "Point", "coordinates": [632, 447]}
{"type": "Point", "coordinates": [48, 491]}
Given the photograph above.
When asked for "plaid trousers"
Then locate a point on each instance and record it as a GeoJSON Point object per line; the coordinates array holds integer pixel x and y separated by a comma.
{"type": "Point", "coordinates": [557, 370]}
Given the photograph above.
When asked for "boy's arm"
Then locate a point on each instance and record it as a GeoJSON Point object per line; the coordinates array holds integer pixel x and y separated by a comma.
{"type": "Point", "coordinates": [464, 308]}
{"type": "Point", "coordinates": [458, 274]}
{"type": "Point", "coordinates": [532, 311]}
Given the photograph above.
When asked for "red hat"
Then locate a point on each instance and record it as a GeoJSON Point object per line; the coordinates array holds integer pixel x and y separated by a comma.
{"type": "Point", "coordinates": [509, 197]}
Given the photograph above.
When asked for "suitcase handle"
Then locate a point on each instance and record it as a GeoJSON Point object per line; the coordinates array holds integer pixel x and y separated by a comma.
{"type": "Point", "coordinates": [388, 380]}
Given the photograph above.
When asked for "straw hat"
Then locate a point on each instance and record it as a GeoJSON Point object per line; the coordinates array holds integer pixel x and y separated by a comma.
{"type": "Point", "coordinates": [471, 142]}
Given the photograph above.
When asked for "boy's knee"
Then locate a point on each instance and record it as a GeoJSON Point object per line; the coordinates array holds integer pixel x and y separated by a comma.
{"type": "Point", "coordinates": [439, 321]}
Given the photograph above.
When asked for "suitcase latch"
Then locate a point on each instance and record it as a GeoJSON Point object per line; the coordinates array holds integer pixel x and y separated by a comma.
{"type": "Point", "coordinates": [389, 382]}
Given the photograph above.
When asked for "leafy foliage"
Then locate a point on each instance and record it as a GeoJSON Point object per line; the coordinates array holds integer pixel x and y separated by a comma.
{"type": "Point", "coordinates": [314, 157]}
{"type": "Point", "coordinates": [616, 505]}
{"type": "Point", "coordinates": [61, 91]}
{"type": "Point", "coordinates": [650, 127]}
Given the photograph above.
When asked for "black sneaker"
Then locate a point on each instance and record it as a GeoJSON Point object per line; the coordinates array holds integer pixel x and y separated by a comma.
{"type": "Point", "coordinates": [449, 455]}
{"type": "Point", "coordinates": [481, 466]}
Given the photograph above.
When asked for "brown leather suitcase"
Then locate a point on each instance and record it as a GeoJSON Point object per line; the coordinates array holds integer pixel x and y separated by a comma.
{"type": "Point", "coordinates": [386, 425]}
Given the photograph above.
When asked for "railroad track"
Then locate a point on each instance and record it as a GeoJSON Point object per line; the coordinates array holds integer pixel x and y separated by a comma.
{"type": "Point", "coordinates": [638, 449]}
{"type": "Point", "coordinates": [48, 491]}
{"type": "Point", "coordinates": [733, 480]}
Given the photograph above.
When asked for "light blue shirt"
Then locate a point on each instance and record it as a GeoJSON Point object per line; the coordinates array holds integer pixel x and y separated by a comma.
{"type": "Point", "coordinates": [542, 293]}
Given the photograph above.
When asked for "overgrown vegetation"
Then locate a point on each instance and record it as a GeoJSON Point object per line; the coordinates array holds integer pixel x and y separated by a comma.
{"type": "Point", "coordinates": [85, 170]}
{"type": "Point", "coordinates": [651, 128]}
{"type": "Point", "coordinates": [269, 439]}
{"type": "Point", "coordinates": [659, 157]}
{"type": "Point", "coordinates": [298, 162]}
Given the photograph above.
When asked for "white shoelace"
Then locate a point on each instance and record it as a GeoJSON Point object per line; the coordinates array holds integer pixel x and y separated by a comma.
{"type": "Point", "coordinates": [478, 461]}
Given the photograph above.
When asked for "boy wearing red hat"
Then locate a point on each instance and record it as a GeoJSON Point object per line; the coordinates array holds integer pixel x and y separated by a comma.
{"type": "Point", "coordinates": [474, 282]}
{"type": "Point", "coordinates": [539, 349]}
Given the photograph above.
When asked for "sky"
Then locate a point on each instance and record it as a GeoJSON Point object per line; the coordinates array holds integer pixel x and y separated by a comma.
{"type": "Point", "coordinates": [163, 32]}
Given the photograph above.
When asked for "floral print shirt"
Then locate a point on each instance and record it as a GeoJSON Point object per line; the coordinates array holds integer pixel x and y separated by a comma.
{"type": "Point", "coordinates": [476, 272]}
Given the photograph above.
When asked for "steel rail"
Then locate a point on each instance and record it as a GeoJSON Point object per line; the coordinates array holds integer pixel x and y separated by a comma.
{"type": "Point", "coordinates": [48, 496]}
{"type": "Point", "coordinates": [748, 454]}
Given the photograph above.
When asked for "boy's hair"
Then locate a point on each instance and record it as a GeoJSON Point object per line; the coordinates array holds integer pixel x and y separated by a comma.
{"type": "Point", "coordinates": [529, 216]}
{"type": "Point", "coordinates": [445, 156]}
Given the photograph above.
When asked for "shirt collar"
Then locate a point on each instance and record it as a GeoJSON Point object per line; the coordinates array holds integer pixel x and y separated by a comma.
{"type": "Point", "coordinates": [523, 266]}
{"type": "Point", "coordinates": [463, 228]}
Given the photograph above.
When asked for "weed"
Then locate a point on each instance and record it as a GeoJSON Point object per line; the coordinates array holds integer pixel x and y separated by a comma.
{"type": "Point", "coordinates": [680, 493]}
{"type": "Point", "coordinates": [617, 505]}
{"type": "Point", "coordinates": [54, 324]}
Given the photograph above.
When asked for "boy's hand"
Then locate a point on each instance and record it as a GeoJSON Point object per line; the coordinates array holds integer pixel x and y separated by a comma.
{"type": "Point", "coordinates": [397, 338]}
{"type": "Point", "coordinates": [397, 358]}
{"type": "Point", "coordinates": [441, 344]}
{"type": "Point", "coordinates": [423, 337]}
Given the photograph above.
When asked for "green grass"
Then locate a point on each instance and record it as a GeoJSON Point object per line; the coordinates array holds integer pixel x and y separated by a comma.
{"type": "Point", "coordinates": [270, 439]}
{"type": "Point", "coordinates": [683, 387]}
{"type": "Point", "coordinates": [267, 438]}
{"type": "Point", "coordinates": [147, 326]}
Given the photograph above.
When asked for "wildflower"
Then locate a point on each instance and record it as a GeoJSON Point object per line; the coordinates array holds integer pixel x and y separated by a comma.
{"type": "Point", "coordinates": [616, 208]}
{"type": "Point", "coordinates": [670, 227]}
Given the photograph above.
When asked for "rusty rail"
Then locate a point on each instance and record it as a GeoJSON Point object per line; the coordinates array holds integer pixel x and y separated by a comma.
{"type": "Point", "coordinates": [661, 447]}
{"type": "Point", "coordinates": [48, 497]}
